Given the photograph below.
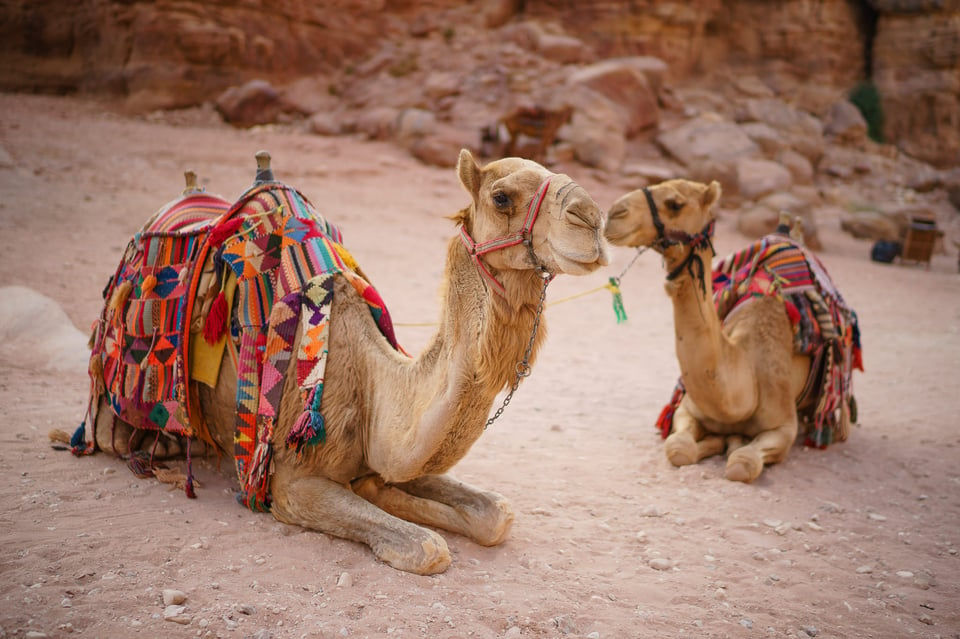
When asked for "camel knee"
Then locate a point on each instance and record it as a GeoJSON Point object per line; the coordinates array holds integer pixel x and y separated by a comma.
{"type": "Point", "coordinates": [681, 449]}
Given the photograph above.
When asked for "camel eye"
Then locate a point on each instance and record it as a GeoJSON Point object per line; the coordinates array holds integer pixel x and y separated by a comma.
{"type": "Point", "coordinates": [674, 205]}
{"type": "Point", "coordinates": [501, 200]}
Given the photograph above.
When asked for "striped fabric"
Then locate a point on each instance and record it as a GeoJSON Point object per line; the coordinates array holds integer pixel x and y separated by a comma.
{"type": "Point", "coordinates": [283, 254]}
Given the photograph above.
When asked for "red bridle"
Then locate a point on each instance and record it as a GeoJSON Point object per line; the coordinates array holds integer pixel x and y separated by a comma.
{"type": "Point", "coordinates": [523, 236]}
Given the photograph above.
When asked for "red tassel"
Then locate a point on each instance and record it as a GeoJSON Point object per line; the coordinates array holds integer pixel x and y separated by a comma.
{"type": "Point", "coordinates": [220, 233]}
{"type": "Point", "coordinates": [792, 312]}
{"type": "Point", "coordinates": [857, 357]}
{"type": "Point", "coordinates": [216, 323]}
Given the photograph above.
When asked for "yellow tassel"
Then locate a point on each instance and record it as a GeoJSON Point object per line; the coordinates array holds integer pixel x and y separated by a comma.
{"type": "Point", "coordinates": [96, 372]}
{"type": "Point", "coordinates": [149, 282]}
{"type": "Point", "coordinates": [119, 298]}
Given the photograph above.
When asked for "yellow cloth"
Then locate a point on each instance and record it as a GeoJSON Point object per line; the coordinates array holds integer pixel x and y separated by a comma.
{"type": "Point", "coordinates": [204, 357]}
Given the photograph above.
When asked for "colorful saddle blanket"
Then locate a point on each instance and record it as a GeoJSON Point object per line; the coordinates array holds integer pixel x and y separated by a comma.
{"type": "Point", "coordinates": [167, 309]}
{"type": "Point", "coordinates": [824, 327]}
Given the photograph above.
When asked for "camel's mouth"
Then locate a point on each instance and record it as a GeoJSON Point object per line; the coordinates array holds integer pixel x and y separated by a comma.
{"type": "Point", "coordinates": [580, 263]}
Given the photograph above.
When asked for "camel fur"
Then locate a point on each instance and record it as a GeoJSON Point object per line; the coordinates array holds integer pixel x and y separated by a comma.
{"type": "Point", "coordinates": [742, 375]}
{"type": "Point", "coordinates": [394, 424]}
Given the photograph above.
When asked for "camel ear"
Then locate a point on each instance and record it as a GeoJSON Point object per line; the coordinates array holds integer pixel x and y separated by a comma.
{"type": "Point", "coordinates": [711, 195]}
{"type": "Point", "coordinates": [469, 173]}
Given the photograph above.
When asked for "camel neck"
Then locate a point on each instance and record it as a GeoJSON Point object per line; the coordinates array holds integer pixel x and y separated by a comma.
{"type": "Point", "coordinates": [709, 361]}
{"type": "Point", "coordinates": [474, 355]}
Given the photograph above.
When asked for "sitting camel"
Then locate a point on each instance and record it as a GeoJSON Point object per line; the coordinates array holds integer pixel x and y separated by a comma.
{"type": "Point", "coordinates": [769, 341]}
{"type": "Point", "coordinates": [370, 466]}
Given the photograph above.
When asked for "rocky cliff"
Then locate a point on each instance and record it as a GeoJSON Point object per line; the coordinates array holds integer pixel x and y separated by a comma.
{"type": "Point", "coordinates": [177, 53]}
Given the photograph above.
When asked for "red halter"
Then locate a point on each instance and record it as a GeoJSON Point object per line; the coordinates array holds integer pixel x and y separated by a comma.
{"type": "Point", "coordinates": [524, 235]}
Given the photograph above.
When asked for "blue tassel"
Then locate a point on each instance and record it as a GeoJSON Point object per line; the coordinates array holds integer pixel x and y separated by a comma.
{"type": "Point", "coordinates": [77, 440]}
{"type": "Point", "coordinates": [310, 428]}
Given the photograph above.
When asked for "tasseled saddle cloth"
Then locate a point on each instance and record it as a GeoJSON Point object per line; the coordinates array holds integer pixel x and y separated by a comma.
{"type": "Point", "coordinates": [168, 317]}
{"type": "Point", "coordinates": [824, 327]}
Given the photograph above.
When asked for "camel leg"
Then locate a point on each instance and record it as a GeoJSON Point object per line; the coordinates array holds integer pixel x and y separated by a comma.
{"type": "Point", "coordinates": [321, 504]}
{"type": "Point", "coordinates": [745, 463]}
{"type": "Point", "coordinates": [121, 438]}
{"type": "Point", "coordinates": [443, 502]}
{"type": "Point", "coordinates": [690, 442]}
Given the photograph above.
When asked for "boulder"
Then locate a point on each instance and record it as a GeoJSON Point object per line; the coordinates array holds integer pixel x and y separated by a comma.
{"type": "Point", "coordinates": [253, 103]}
{"type": "Point", "coordinates": [758, 177]}
{"type": "Point", "coordinates": [803, 132]}
{"type": "Point", "coordinates": [563, 49]}
{"type": "Point", "coordinates": [621, 82]}
{"type": "Point", "coordinates": [845, 123]}
{"type": "Point", "coordinates": [707, 138]}
{"type": "Point", "coordinates": [870, 225]}
{"type": "Point", "coordinates": [799, 166]}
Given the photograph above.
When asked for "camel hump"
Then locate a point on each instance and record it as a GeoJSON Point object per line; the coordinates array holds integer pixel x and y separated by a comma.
{"type": "Point", "coordinates": [264, 172]}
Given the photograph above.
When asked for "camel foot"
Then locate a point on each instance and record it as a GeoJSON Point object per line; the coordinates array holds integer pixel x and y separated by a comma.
{"type": "Point", "coordinates": [681, 449]}
{"type": "Point", "coordinates": [498, 520]}
{"type": "Point", "coordinates": [744, 464]}
{"type": "Point", "coordinates": [424, 554]}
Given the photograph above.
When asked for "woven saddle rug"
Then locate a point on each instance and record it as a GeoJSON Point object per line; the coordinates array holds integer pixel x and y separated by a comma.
{"type": "Point", "coordinates": [253, 275]}
{"type": "Point", "coordinates": [824, 326]}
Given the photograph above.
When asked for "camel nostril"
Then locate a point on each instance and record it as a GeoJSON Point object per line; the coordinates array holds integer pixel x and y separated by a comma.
{"type": "Point", "coordinates": [582, 214]}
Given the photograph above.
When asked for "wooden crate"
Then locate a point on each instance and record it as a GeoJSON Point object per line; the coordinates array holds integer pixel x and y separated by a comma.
{"type": "Point", "coordinates": [922, 236]}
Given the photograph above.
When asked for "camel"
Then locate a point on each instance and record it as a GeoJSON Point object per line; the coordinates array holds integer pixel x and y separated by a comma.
{"type": "Point", "coordinates": [743, 378]}
{"type": "Point", "coordinates": [393, 425]}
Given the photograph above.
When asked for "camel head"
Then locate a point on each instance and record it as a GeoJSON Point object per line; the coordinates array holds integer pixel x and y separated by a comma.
{"type": "Point", "coordinates": [524, 217]}
{"type": "Point", "coordinates": [681, 208]}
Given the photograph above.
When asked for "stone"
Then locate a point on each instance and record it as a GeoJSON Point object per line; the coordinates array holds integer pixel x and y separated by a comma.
{"type": "Point", "coordinates": [624, 85]}
{"type": "Point", "coordinates": [661, 563]}
{"type": "Point", "coordinates": [845, 123]}
{"type": "Point", "coordinates": [757, 177]}
{"type": "Point", "coordinates": [253, 103]}
{"type": "Point", "coordinates": [563, 49]}
{"type": "Point", "coordinates": [803, 132]}
{"type": "Point", "coordinates": [176, 614]}
{"type": "Point", "coordinates": [173, 597]}
{"type": "Point", "coordinates": [707, 138]}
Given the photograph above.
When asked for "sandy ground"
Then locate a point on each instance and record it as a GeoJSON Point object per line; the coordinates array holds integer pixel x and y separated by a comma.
{"type": "Point", "coordinates": [859, 540]}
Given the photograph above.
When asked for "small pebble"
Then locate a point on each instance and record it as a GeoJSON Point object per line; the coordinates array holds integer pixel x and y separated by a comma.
{"type": "Point", "coordinates": [593, 635]}
{"type": "Point", "coordinates": [876, 517]}
{"type": "Point", "coordinates": [173, 597]}
{"type": "Point", "coordinates": [810, 631]}
{"type": "Point", "coordinates": [746, 623]}
{"type": "Point", "coordinates": [925, 619]}
{"type": "Point", "coordinates": [345, 580]}
{"type": "Point", "coordinates": [176, 614]}
{"type": "Point", "coordinates": [513, 632]}
{"type": "Point", "coordinates": [246, 609]}
{"type": "Point", "coordinates": [865, 569]}
{"type": "Point", "coordinates": [661, 563]}
{"type": "Point", "coordinates": [66, 603]}
{"type": "Point", "coordinates": [651, 511]}
{"type": "Point", "coordinates": [906, 574]}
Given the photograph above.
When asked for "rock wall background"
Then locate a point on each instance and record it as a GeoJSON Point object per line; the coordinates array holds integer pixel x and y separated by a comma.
{"type": "Point", "coordinates": [749, 92]}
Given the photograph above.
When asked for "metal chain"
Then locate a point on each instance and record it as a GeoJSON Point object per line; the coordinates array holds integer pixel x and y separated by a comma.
{"type": "Point", "coordinates": [523, 367]}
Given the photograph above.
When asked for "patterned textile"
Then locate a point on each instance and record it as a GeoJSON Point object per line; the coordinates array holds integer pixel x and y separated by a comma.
{"type": "Point", "coordinates": [137, 359]}
{"type": "Point", "coordinates": [284, 255]}
{"type": "Point", "coordinates": [169, 290]}
{"type": "Point", "coordinates": [824, 327]}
